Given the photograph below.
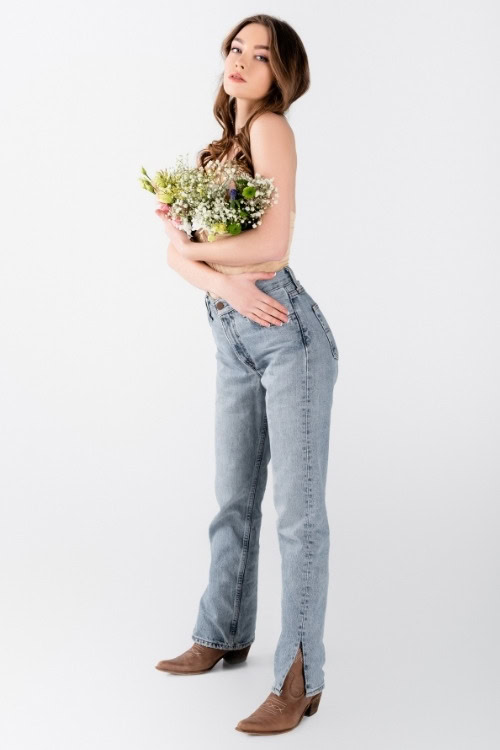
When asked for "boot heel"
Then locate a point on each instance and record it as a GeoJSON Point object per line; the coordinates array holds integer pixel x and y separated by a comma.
{"type": "Point", "coordinates": [313, 706]}
{"type": "Point", "coordinates": [237, 655]}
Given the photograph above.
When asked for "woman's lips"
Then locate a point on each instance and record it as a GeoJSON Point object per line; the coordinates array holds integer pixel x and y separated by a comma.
{"type": "Point", "coordinates": [236, 80]}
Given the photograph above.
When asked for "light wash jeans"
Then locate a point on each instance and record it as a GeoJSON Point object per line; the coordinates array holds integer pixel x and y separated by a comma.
{"type": "Point", "coordinates": [274, 389]}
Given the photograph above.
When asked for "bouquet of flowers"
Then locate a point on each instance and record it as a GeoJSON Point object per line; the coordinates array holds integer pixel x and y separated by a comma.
{"type": "Point", "coordinates": [218, 199]}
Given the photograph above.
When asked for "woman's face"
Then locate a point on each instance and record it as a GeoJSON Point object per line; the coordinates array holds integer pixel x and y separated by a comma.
{"type": "Point", "coordinates": [249, 57]}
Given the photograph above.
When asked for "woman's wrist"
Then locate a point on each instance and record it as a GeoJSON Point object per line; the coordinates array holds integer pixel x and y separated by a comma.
{"type": "Point", "coordinates": [220, 284]}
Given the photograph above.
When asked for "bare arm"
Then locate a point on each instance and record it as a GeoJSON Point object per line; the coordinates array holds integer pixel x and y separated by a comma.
{"type": "Point", "coordinates": [196, 272]}
{"type": "Point", "coordinates": [272, 146]}
{"type": "Point", "coordinates": [239, 290]}
{"type": "Point", "coordinates": [247, 247]}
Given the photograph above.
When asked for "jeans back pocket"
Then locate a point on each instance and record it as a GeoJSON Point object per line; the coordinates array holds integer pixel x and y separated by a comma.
{"type": "Point", "coordinates": [327, 329]}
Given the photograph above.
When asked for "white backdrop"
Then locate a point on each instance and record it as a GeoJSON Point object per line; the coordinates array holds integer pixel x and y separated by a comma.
{"type": "Point", "coordinates": [108, 364]}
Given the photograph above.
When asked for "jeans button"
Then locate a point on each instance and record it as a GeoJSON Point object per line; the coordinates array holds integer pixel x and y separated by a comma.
{"type": "Point", "coordinates": [219, 305]}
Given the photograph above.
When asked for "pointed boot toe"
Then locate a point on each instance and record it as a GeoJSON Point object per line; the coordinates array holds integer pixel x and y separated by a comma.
{"type": "Point", "coordinates": [199, 659]}
{"type": "Point", "coordinates": [247, 725]}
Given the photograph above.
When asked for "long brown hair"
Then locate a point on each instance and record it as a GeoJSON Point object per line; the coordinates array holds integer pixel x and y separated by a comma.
{"type": "Point", "coordinates": [290, 68]}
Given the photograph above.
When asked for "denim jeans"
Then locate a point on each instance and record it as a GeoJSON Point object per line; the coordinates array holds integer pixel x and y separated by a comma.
{"type": "Point", "coordinates": [274, 389]}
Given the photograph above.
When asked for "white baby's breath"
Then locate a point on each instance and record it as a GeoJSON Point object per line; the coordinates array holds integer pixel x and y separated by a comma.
{"type": "Point", "coordinates": [211, 200]}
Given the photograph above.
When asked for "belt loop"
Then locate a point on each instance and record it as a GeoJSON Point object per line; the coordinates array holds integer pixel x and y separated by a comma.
{"type": "Point", "coordinates": [207, 303]}
{"type": "Point", "coordinates": [298, 285]}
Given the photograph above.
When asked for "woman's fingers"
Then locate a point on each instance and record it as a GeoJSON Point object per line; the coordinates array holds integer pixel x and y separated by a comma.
{"type": "Point", "coordinates": [274, 308]}
{"type": "Point", "coordinates": [270, 315]}
{"type": "Point", "coordinates": [258, 320]}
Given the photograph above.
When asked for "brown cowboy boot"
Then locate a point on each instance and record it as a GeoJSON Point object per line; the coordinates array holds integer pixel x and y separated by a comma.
{"type": "Point", "coordinates": [280, 713]}
{"type": "Point", "coordinates": [199, 659]}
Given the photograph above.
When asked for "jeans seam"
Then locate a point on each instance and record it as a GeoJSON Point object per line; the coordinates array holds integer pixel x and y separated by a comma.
{"type": "Point", "coordinates": [235, 345]}
{"type": "Point", "coordinates": [307, 524]}
{"type": "Point", "coordinates": [248, 527]}
{"type": "Point", "coordinates": [307, 534]}
{"type": "Point", "coordinates": [240, 346]}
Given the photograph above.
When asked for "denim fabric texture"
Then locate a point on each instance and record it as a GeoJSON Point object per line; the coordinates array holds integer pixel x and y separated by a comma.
{"type": "Point", "coordinates": [274, 391]}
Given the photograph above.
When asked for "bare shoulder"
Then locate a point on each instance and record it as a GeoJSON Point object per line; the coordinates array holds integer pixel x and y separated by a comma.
{"type": "Point", "coordinates": [271, 122]}
{"type": "Point", "coordinates": [272, 131]}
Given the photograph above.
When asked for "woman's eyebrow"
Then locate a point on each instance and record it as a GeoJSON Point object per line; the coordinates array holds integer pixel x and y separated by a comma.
{"type": "Point", "coordinates": [256, 46]}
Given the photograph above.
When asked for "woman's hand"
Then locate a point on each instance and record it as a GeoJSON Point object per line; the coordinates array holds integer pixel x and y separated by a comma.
{"type": "Point", "coordinates": [240, 291]}
{"type": "Point", "coordinates": [180, 239]}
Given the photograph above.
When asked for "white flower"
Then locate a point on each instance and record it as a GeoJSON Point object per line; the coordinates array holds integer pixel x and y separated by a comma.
{"type": "Point", "coordinates": [197, 223]}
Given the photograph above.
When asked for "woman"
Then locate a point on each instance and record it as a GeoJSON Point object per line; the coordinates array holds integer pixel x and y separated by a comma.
{"type": "Point", "coordinates": [277, 364]}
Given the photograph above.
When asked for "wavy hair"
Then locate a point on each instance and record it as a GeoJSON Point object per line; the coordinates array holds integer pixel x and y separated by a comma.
{"type": "Point", "coordinates": [291, 79]}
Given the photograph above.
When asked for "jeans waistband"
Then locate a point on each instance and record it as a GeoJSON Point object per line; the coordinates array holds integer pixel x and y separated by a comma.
{"type": "Point", "coordinates": [285, 277]}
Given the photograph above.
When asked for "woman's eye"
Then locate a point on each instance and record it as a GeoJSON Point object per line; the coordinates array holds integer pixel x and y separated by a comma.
{"type": "Point", "coordinates": [262, 56]}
